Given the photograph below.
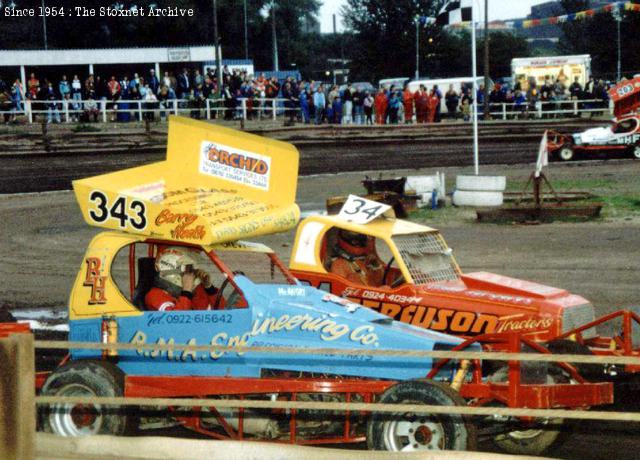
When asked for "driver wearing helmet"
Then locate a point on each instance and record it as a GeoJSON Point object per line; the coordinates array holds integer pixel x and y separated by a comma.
{"type": "Point", "coordinates": [356, 259]}
{"type": "Point", "coordinates": [179, 284]}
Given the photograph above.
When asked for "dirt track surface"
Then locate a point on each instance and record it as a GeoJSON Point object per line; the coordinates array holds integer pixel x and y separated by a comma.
{"type": "Point", "coordinates": [33, 162]}
{"type": "Point", "coordinates": [43, 238]}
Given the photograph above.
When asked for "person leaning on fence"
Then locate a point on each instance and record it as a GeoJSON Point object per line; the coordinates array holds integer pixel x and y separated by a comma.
{"type": "Point", "coordinates": [5, 104]}
{"type": "Point", "coordinates": [380, 103]}
{"type": "Point", "coordinates": [407, 100]}
{"type": "Point", "coordinates": [91, 108]}
{"type": "Point", "coordinates": [367, 104]}
{"type": "Point", "coordinates": [304, 106]}
{"type": "Point", "coordinates": [319, 103]}
{"type": "Point", "coordinates": [421, 100]}
{"type": "Point", "coordinates": [17, 96]}
{"type": "Point", "coordinates": [451, 100]}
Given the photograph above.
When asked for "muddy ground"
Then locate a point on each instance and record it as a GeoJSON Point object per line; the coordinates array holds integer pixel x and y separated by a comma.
{"type": "Point", "coordinates": [43, 238]}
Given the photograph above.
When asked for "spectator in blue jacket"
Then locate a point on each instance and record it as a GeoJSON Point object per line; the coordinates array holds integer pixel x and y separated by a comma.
{"type": "Point", "coordinates": [320, 103]}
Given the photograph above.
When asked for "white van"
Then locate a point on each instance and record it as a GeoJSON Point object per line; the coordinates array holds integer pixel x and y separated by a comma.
{"type": "Point", "coordinates": [389, 82]}
{"type": "Point", "coordinates": [443, 86]}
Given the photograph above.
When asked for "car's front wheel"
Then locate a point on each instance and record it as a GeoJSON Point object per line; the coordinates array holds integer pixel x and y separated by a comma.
{"type": "Point", "coordinates": [635, 151]}
{"type": "Point", "coordinates": [85, 379]}
{"type": "Point", "coordinates": [566, 153]}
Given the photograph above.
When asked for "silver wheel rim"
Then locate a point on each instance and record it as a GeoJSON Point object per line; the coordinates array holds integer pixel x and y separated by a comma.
{"type": "Point", "coordinates": [566, 154]}
{"type": "Point", "coordinates": [75, 419]}
{"type": "Point", "coordinates": [636, 151]}
{"type": "Point", "coordinates": [419, 433]}
{"type": "Point", "coordinates": [524, 435]}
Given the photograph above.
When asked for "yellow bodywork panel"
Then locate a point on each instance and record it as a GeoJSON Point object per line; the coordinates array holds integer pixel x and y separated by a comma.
{"type": "Point", "coordinates": [95, 292]}
{"type": "Point", "coordinates": [305, 255]}
{"type": "Point", "coordinates": [216, 185]}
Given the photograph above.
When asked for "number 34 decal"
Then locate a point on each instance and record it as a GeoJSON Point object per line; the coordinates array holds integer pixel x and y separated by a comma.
{"type": "Point", "coordinates": [360, 210]}
{"type": "Point", "coordinates": [126, 212]}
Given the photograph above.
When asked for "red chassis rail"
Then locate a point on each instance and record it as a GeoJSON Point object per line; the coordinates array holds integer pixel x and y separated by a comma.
{"type": "Point", "coordinates": [285, 388]}
{"type": "Point", "coordinates": [515, 393]}
{"type": "Point", "coordinates": [512, 393]}
{"type": "Point", "coordinates": [619, 345]}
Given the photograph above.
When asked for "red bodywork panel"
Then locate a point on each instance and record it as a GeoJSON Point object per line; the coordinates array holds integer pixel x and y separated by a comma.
{"type": "Point", "coordinates": [479, 303]}
{"type": "Point", "coordinates": [626, 97]}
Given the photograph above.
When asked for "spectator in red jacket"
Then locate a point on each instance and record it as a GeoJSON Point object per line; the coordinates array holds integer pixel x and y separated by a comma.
{"type": "Point", "coordinates": [380, 102]}
{"type": "Point", "coordinates": [421, 99]}
{"type": "Point", "coordinates": [407, 100]}
{"type": "Point", "coordinates": [433, 104]}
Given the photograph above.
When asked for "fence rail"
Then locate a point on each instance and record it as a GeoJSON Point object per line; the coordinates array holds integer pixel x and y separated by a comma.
{"type": "Point", "coordinates": [17, 410]}
{"type": "Point", "coordinates": [69, 110]}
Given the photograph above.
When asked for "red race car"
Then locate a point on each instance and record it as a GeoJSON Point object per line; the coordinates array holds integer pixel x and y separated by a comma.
{"type": "Point", "coordinates": [623, 134]}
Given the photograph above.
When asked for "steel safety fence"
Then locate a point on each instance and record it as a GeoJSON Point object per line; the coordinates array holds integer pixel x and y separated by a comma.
{"type": "Point", "coordinates": [104, 110]}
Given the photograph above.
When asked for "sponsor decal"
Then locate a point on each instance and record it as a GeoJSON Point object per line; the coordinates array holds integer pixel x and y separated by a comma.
{"type": "Point", "coordinates": [629, 139]}
{"type": "Point", "coordinates": [438, 319]}
{"type": "Point", "coordinates": [96, 281]}
{"type": "Point", "coordinates": [235, 165]}
{"type": "Point", "coordinates": [325, 328]}
{"type": "Point", "coordinates": [520, 323]}
{"type": "Point", "coordinates": [456, 322]}
{"type": "Point", "coordinates": [184, 228]}
{"type": "Point", "coordinates": [292, 291]}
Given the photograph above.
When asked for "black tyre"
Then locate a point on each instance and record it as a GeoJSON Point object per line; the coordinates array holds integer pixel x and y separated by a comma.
{"type": "Point", "coordinates": [85, 378]}
{"type": "Point", "coordinates": [542, 436]}
{"type": "Point", "coordinates": [569, 347]}
{"type": "Point", "coordinates": [545, 435]}
{"type": "Point", "coordinates": [566, 153]}
{"type": "Point", "coordinates": [420, 432]}
{"type": "Point", "coordinates": [635, 151]}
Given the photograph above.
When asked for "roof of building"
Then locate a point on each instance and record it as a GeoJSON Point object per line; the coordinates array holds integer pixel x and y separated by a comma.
{"type": "Point", "coordinates": [94, 56]}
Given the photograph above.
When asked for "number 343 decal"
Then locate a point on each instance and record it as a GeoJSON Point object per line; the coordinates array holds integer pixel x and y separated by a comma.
{"type": "Point", "coordinates": [125, 212]}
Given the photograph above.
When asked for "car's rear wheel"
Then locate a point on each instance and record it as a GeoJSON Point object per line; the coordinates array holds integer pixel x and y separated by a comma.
{"type": "Point", "coordinates": [540, 436]}
{"type": "Point", "coordinates": [408, 431]}
{"type": "Point", "coordinates": [635, 151]}
{"type": "Point", "coordinates": [566, 153]}
{"type": "Point", "coordinates": [85, 379]}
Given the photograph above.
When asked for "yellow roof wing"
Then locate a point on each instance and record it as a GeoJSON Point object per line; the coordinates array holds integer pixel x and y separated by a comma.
{"type": "Point", "coordinates": [216, 185]}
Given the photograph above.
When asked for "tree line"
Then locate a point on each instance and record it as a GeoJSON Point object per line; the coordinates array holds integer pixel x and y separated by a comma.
{"type": "Point", "coordinates": [379, 39]}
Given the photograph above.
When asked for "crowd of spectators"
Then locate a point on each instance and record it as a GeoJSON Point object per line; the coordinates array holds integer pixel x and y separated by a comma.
{"type": "Point", "coordinates": [307, 101]}
{"type": "Point", "coordinates": [548, 97]}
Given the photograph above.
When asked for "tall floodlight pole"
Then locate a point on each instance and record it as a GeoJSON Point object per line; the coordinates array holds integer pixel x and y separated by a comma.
{"type": "Point", "coordinates": [617, 15]}
{"type": "Point", "coordinates": [44, 27]}
{"type": "Point", "coordinates": [216, 41]}
{"type": "Point", "coordinates": [246, 32]}
{"type": "Point", "coordinates": [274, 37]}
{"type": "Point", "coordinates": [486, 59]}
{"type": "Point", "coordinates": [475, 89]}
{"type": "Point", "coordinates": [417, 47]}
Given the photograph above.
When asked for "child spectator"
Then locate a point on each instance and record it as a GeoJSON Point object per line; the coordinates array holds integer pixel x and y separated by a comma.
{"type": "Point", "coordinates": [367, 104]}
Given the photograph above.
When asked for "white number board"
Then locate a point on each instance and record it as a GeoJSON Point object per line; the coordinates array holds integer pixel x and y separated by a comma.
{"type": "Point", "coordinates": [360, 210]}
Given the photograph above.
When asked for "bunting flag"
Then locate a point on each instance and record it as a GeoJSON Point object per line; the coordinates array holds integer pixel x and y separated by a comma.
{"type": "Point", "coordinates": [528, 23]}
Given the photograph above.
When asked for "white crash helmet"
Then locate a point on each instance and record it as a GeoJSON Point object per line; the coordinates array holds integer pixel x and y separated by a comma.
{"type": "Point", "coordinates": [172, 262]}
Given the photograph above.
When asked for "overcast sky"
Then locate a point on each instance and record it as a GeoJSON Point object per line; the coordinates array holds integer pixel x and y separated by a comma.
{"type": "Point", "coordinates": [498, 9]}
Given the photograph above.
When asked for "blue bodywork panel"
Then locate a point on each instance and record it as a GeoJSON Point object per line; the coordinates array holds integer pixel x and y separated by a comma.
{"type": "Point", "coordinates": [278, 316]}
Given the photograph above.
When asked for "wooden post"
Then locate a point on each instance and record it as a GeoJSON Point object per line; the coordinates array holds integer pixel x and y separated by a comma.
{"type": "Point", "coordinates": [17, 393]}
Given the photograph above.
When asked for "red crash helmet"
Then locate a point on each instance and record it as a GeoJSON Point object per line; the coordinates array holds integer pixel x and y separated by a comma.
{"type": "Point", "coordinates": [352, 243]}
